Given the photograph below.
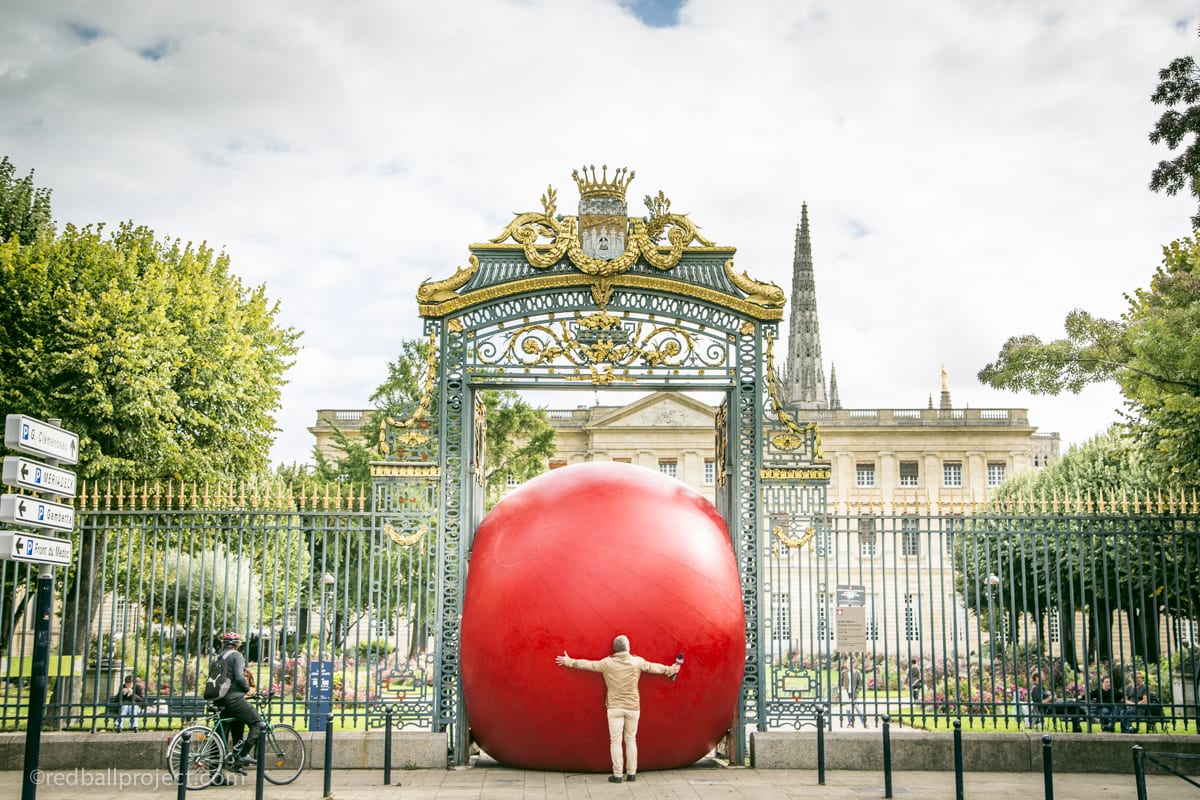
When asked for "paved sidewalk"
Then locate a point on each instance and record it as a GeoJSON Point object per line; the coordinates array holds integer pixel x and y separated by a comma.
{"type": "Point", "coordinates": [700, 782]}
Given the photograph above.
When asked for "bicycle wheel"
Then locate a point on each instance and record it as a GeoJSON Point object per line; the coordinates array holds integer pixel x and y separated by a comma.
{"type": "Point", "coordinates": [284, 756]}
{"type": "Point", "coordinates": [206, 755]}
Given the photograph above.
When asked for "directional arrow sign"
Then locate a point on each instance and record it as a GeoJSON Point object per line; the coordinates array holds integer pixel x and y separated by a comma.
{"type": "Point", "coordinates": [20, 546]}
{"type": "Point", "coordinates": [26, 510]}
{"type": "Point", "coordinates": [30, 435]}
{"type": "Point", "coordinates": [29, 474]}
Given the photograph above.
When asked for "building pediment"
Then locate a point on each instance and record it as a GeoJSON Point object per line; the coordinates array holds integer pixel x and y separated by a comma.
{"type": "Point", "coordinates": [660, 410]}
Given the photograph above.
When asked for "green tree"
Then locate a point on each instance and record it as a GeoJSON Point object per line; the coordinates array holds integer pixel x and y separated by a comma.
{"type": "Point", "coordinates": [24, 208]}
{"type": "Point", "coordinates": [207, 593]}
{"type": "Point", "coordinates": [1152, 352]}
{"type": "Point", "coordinates": [1179, 90]}
{"type": "Point", "coordinates": [153, 351]}
{"type": "Point", "coordinates": [519, 439]}
{"type": "Point", "coordinates": [1054, 559]}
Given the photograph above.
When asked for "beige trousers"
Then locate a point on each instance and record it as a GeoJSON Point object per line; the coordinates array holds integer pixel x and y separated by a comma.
{"type": "Point", "coordinates": [623, 724]}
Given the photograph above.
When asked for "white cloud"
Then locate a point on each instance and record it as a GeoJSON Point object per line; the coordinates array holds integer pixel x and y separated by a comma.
{"type": "Point", "coordinates": [973, 169]}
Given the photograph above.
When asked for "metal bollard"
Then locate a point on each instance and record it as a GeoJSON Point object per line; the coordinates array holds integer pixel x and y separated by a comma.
{"type": "Point", "coordinates": [1048, 767]}
{"type": "Point", "coordinates": [260, 769]}
{"type": "Point", "coordinates": [958, 760]}
{"type": "Point", "coordinates": [387, 750]}
{"type": "Point", "coordinates": [887, 756]}
{"type": "Point", "coordinates": [820, 745]}
{"type": "Point", "coordinates": [1139, 771]}
{"type": "Point", "coordinates": [328, 755]}
{"type": "Point", "coordinates": [185, 746]}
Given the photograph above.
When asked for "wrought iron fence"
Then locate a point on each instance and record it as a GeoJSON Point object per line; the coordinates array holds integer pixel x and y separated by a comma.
{"type": "Point", "coordinates": [335, 610]}
{"type": "Point", "coordinates": [954, 614]}
{"type": "Point", "coordinates": [1004, 619]}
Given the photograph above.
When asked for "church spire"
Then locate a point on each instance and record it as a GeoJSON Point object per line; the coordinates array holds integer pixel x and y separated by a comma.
{"type": "Point", "coordinates": [805, 374]}
{"type": "Point", "coordinates": [834, 402]}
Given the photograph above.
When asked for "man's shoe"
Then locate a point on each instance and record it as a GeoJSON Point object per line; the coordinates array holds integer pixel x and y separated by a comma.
{"type": "Point", "coordinates": [632, 777]}
{"type": "Point", "coordinates": [245, 761]}
{"type": "Point", "coordinates": [614, 778]}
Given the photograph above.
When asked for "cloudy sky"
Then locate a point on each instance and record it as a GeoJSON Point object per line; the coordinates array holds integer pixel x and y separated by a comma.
{"type": "Point", "coordinates": [973, 169]}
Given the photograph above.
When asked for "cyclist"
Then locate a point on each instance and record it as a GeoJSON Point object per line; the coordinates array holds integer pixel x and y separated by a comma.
{"type": "Point", "coordinates": [234, 704]}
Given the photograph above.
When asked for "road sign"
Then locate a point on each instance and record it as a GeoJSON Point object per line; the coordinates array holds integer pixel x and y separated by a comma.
{"type": "Point", "coordinates": [21, 546]}
{"type": "Point", "coordinates": [24, 509]}
{"type": "Point", "coordinates": [30, 474]}
{"type": "Point", "coordinates": [30, 435]}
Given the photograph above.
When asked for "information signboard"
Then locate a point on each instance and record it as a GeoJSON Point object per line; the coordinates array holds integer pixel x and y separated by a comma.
{"type": "Point", "coordinates": [21, 546]}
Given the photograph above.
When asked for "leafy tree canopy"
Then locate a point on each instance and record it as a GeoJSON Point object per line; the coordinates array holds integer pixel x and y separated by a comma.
{"type": "Point", "coordinates": [24, 208]}
{"type": "Point", "coordinates": [1179, 90]}
{"type": "Point", "coordinates": [1152, 352]}
{"type": "Point", "coordinates": [519, 437]}
{"type": "Point", "coordinates": [152, 350]}
{"type": "Point", "coordinates": [1107, 465]}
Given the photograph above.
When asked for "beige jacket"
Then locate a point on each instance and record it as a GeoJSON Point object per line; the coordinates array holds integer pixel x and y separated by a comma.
{"type": "Point", "coordinates": [621, 672]}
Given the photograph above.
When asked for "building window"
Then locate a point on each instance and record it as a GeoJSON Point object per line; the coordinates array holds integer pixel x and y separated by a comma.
{"type": "Point", "coordinates": [623, 460]}
{"type": "Point", "coordinates": [710, 472]}
{"type": "Point", "coordinates": [909, 474]}
{"type": "Point", "coordinates": [952, 474]}
{"type": "Point", "coordinates": [124, 616]}
{"type": "Point", "coordinates": [995, 473]}
{"type": "Point", "coordinates": [910, 537]}
{"type": "Point", "coordinates": [668, 467]}
{"type": "Point", "coordinates": [557, 464]}
{"type": "Point", "coordinates": [1051, 623]}
{"type": "Point", "coordinates": [912, 618]}
{"type": "Point", "coordinates": [866, 537]}
{"type": "Point", "coordinates": [864, 475]}
{"type": "Point", "coordinates": [781, 616]}
{"type": "Point", "coordinates": [512, 480]}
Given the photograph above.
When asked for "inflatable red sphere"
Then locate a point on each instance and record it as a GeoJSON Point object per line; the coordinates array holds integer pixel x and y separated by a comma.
{"type": "Point", "coordinates": [566, 563]}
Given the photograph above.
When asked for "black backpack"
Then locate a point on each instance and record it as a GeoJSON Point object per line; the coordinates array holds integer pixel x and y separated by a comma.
{"type": "Point", "coordinates": [217, 685]}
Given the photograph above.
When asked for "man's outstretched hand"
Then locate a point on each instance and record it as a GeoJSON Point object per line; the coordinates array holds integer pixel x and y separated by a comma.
{"type": "Point", "coordinates": [562, 660]}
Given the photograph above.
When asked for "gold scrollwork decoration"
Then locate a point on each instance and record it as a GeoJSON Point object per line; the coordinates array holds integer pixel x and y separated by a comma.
{"type": "Point", "coordinates": [794, 542]}
{"type": "Point", "coordinates": [721, 422]}
{"type": "Point", "coordinates": [546, 240]}
{"type": "Point", "coordinates": [431, 291]}
{"type": "Point", "coordinates": [796, 434]}
{"type": "Point", "coordinates": [787, 441]}
{"type": "Point", "coordinates": [601, 339]}
{"type": "Point", "coordinates": [757, 292]}
{"type": "Point", "coordinates": [405, 541]}
{"type": "Point", "coordinates": [480, 440]}
{"type": "Point", "coordinates": [409, 433]}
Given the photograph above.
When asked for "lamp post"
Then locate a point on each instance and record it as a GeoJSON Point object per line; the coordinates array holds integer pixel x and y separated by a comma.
{"type": "Point", "coordinates": [992, 581]}
{"type": "Point", "coordinates": [327, 582]}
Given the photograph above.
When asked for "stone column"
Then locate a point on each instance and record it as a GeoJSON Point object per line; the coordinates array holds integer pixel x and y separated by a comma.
{"type": "Point", "coordinates": [974, 475]}
{"type": "Point", "coordinates": [889, 476]}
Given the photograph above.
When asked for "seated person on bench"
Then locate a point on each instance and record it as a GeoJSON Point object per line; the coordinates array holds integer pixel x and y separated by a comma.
{"type": "Point", "coordinates": [1106, 701]}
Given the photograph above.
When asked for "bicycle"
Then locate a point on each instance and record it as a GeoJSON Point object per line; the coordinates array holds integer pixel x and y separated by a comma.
{"type": "Point", "coordinates": [209, 754]}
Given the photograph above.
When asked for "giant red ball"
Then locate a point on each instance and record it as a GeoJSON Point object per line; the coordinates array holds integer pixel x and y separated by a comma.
{"type": "Point", "coordinates": [566, 563]}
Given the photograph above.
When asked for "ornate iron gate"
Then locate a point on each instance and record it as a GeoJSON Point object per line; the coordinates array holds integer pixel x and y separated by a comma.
{"type": "Point", "coordinates": [603, 300]}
